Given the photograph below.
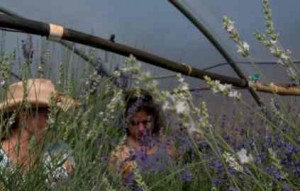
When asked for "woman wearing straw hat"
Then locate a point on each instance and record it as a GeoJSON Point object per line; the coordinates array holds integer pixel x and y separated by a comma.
{"type": "Point", "coordinates": [25, 113]}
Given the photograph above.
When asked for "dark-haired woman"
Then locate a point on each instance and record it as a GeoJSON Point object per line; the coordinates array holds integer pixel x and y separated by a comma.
{"type": "Point", "coordinates": [144, 147]}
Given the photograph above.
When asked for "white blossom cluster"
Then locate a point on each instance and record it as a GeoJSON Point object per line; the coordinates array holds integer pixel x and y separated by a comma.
{"type": "Point", "coordinates": [243, 157]}
{"type": "Point", "coordinates": [270, 40]}
{"type": "Point", "coordinates": [178, 101]}
{"type": "Point", "coordinates": [149, 83]}
{"type": "Point", "coordinates": [243, 47]}
{"type": "Point", "coordinates": [130, 71]}
{"type": "Point", "coordinates": [112, 106]}
{"type": "Point", "coordinates": [225, 89]}
{"type": "Point", "coordinates": [173, 102]}
{"type": "Point", "coordinates": [235, 162]}
{"type": "Point", "coordinates": [284, 56]}
{"type": "Point", "coordinates": [202, 113]}
{"type": "Point", "coordinates": [5, 65]}
{"type": "Point", "coordinates": [55, 169]}
{"type": "Point", "coordinates": [93, 82]}
{"type": "Point", "coordinates": [232, 161]}
{"type": "Point", "coordinates": [132, 65]}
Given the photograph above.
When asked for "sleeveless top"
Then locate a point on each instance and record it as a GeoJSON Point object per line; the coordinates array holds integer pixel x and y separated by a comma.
{"type": "Point", "coordinates": [123, 156]}
{"type": "Point", "coordinates": [158, 161]}
{"type": "Point", "coordinates": [125, 160]}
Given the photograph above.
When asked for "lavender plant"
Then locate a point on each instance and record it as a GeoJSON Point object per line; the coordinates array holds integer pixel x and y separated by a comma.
{"type": "Point", "coordinates": [243, 150]}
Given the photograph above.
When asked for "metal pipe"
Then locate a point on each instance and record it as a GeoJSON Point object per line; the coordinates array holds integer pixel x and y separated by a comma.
{"type": "Point", "coordinates": [79, 53]}
{"type": "Point", "coordinates": [215, 43]}
{"type": "Point", "coordinates": [43, 29]}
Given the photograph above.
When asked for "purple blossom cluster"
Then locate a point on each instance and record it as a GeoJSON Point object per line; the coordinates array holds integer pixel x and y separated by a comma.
{"type": "Point", "coordinates": [27, 48]}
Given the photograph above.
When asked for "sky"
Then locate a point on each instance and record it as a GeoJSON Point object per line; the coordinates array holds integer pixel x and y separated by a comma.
{"type": "Point", "coordinates": [158, 27]}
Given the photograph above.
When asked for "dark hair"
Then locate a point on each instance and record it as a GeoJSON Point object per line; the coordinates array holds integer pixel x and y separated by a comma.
{"type": "Point", "coordinates": [142, 100]}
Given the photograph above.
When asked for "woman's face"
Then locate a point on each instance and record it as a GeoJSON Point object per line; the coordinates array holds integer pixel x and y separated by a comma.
{"type": "Point", "coordinates": [34, 123]}
{"type": "Point", "coordinates": [140, 125]}
{"type": "Point", "coordinates": [30, 126]}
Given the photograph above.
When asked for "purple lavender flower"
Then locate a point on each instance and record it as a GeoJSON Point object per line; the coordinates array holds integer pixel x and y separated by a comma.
{"type": "Point", "coordinates": [186, 175]}
{"type": "Point", "coordinates": [27, 48]}
{"type": "Point", "coordinates": [275, 173]}
{"type": "Point", "coordinates": [289, 149]}
{"type": "Point", "coordinates": [216, 182]}
{"type": "Point", "coordinates": [233, 189]}
{"type": "Point", "coordinates": [232, 171]}
{"type": "Point", "coordinates": [297, 171]}
{"type": "Point", "coordinates": [129, 179]}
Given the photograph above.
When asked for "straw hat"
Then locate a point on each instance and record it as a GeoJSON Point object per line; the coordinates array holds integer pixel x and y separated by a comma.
{"type": "Point", "coordinates": [35, 92]}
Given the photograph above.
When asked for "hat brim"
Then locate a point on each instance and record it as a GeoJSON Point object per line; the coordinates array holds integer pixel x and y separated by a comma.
{"type": "Point", "coordinates": [63, 102]}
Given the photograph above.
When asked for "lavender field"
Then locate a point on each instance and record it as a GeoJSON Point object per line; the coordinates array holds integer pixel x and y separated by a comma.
{"type": "Point", "coordinates": [223, 139]}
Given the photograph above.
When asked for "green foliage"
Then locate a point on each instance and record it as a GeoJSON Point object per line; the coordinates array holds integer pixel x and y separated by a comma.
{"type": "Point", "coordinates": [246, 151]}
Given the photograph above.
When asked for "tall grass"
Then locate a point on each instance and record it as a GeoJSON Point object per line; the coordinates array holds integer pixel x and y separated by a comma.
{"type": "Point", "coordinates": [257, 150]}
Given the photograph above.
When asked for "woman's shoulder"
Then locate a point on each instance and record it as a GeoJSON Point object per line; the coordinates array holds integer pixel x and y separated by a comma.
{"type": "Point", "coordinates": [118, 155]}
{"type": "Point", "coordinates": [121, 151]}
